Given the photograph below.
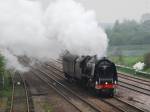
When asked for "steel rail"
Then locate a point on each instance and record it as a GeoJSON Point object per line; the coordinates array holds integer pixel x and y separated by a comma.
{"type": "Point", "coordinates": [13, 93]}
{"type": "Point", "coordinates": [55, 87]}
{"type": "Point", "coordinates": [123, 102]}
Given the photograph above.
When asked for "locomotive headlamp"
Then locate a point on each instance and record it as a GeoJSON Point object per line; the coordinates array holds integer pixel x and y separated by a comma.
{"type": "Point", "coordinates": [115, 82]}
{"type": "Point", "coordinates": [106, 82]}
{"type": "Point", "coordinates": [96, 82]}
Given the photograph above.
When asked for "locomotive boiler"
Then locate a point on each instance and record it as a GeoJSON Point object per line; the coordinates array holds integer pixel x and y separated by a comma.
{"type": "Point", "coordinates": [91, 72]}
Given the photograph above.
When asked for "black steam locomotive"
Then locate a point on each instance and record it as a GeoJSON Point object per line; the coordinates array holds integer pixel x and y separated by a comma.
{"type": "Point", "coordinates": [91, 72]}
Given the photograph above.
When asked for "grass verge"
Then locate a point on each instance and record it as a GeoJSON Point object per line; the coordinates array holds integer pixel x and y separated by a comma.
{"type": "Point", "coordinates": [47, 107]}
{"type": "Point", "coordinates": [129, 61]}
{"type": "Point", "coordinates": [6, 89]}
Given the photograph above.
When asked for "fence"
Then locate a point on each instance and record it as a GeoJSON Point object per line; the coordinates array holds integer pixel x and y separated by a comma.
{"type": "Point", "coordinates": [132, 71]}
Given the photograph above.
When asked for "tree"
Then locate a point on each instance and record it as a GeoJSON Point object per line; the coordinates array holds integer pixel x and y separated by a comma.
{"type": "Point", "coordinates": [2, 64]}
{"type": "Point", "coordinates": [129, 33]}
{"type": "Point", "coordinates": [2, 69]}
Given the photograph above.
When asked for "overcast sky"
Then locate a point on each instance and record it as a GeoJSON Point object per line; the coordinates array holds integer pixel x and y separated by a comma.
{"type": "Point", "coordinates": [110, 10]}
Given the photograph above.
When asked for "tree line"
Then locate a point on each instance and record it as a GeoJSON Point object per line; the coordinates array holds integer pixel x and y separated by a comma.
{"type": "Point", "coordinates": [129, 32]}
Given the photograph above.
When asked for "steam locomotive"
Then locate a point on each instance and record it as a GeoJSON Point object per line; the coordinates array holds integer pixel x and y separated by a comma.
{"type": "Point", "coordinates": [99, 74]}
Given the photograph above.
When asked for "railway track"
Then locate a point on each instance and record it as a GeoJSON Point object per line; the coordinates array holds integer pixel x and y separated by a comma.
{"type": "Point", "coordinates": [79, 103]}
{"type": "Point", "coordinates": [114, 102]}
{"type": "Point", "coordinates": [30, 100]}
{"type": "Point", "coordinates": [52, 82]}
{"type": "Point", "coordinates": [136, 84]}
{"type": "Point", "coordinates": [21, 97]}
{"type": "Point", "coordinates": [135, 79]}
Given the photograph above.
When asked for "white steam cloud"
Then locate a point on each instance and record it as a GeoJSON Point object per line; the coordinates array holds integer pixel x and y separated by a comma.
{"type": "Point", "coordinates": [28, 29]}
{"type": "Point", "coordinates": [139, 66]}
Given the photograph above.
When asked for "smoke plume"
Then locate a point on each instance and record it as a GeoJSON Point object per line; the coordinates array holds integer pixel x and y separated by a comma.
{"type": "Point", "coordinates": [28, 29]}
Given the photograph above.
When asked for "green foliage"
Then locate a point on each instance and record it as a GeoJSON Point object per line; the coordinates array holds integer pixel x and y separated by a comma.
{"type": "Point", "coordinates": [127, 60]}
{"type": "Point", "coordinates": [133, 72]}
{"type": "Point", "coordinates": [47, 107]}
{"type": "Point", "coordinates": [147, 60]}
{"type": "Point", "coordinates": [147, 70]}
{"type": "Point", "coordinates": [6, 91]}
{"type": "Point", "coordinates": [2, 64]}
{"type": "Point", "coordinates": [129, 33]}
{"type": "Point", "coordinates": [2, 69]}
{"type": "Point", "coordinates": [129, 50]}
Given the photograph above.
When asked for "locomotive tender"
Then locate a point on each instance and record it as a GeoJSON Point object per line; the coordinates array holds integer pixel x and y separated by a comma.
{"type": "Point", "coordinates": [93, 73]}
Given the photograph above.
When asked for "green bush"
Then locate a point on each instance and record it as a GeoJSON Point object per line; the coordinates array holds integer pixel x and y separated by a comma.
{"type": "Point", "coordinates": [147, 60]}
{"type": "Point", "coordinates": [2, 64]}
{"type": "Point", "coordinates": [2, 69]}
